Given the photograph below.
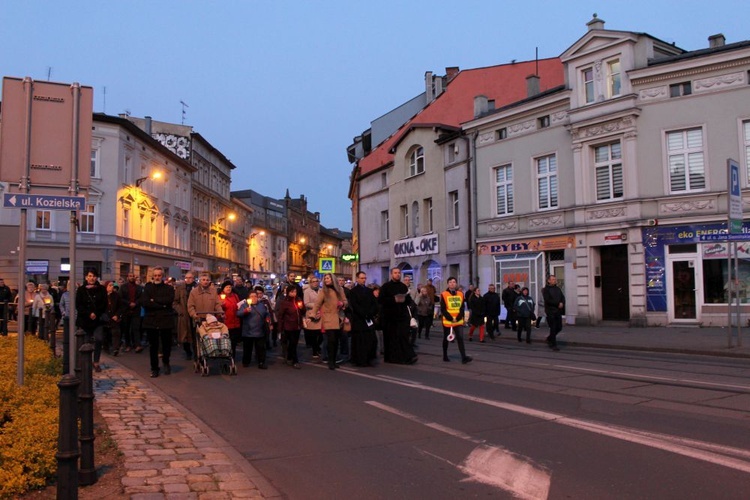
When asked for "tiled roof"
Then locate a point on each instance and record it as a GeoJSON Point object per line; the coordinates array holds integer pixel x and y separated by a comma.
{"type": "Point", "coordinates": [505, 84]}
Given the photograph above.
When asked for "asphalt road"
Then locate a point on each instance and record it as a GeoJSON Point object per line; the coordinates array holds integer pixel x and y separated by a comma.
{"type": "Point", "coordinates": [518, 422]}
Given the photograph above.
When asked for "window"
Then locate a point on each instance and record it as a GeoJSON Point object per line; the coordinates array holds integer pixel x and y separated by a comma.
{"type": "Point", "coordinates": [613, 78]}
{"type": "Point", "coordinates": [86, 223]}
{"type": "Point", "coordinates": [452, 151]}
{"type": "Point", "coordinates": [588, 85]}
{"type": "Point", "coordinates": [680, 89]}
{"type": "Point", "coordinates": [427, 204]}
{"type": "Point", "coordinates": [384, 225]}
{"type": "Point", "coordinates": [543, 122]}
{"type": "Point", "coordinates": [43, 220]}
{"type": "Point", "coordinates": [685, 159]}
{"type": "Point", "coordinates": [95, 163]}
{"type": "Point", "coordinates": [546, 171]}
{"type": "Point", "coordinates": [416, 162]}
{"type": "Point", "coordinates": [502, 134]}
{"type": "Point", "coordinates": [608, 168]}
{"type": "Point", "coordinates": [504, 190]}
{"type": "Point", "coordinates": [453, 216]}
{"type": "Point", "coordinates": [383, 180]}
{"type": "Point", "coordinates": [415, 218]}
{"type": "Point", "coordinates": [746, 136]}
{"type": "Point", "coordinates": [404, 221]}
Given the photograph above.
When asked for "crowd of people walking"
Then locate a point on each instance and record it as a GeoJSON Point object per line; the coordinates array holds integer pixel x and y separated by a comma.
{"type": "Point", "coordinates": [338, 321]}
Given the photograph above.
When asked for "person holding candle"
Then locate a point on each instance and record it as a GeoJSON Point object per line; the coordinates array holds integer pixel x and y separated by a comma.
{"type": "Point", "coordinates": [230, 302]}
{"type": "Point", "coordinates": [290, 314]}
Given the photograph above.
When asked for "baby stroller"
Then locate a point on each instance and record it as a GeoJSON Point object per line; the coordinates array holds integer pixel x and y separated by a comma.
{"type": "Point", "coordinates": [212, 342]}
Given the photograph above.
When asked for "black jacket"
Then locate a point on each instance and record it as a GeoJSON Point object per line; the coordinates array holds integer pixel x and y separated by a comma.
{"type": "Point", "coordinates": [157, 299]}
{"type": "Point", "coordinates": [492, 304]}
{"type": "Point", "coordinates": [363, 306]}
{"type": "Point", "coordinates": [552, 296]}
{"type": "Point", "coordinates": [90, 300]}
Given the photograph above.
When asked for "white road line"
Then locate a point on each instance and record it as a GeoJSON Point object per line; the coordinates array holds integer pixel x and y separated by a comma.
{"type": "Point", "coordinates": [488, 464]}
{"type": "Point", "coordinates": [652, 377]}
{"type": "Point", "coordinates": [699, 450]}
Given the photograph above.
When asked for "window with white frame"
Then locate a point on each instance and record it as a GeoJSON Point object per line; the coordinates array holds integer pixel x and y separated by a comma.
{"type": "Point", "coordinates": [608, 169]}
{"type": "Point", "coordinates": [546, 172]}
{"type": "Point", "coordinates": [504, 190]}
{"type": "Point", "coordinates": [614, 82]}
{"type": "Point", "coordinates": [453, 214]}
{"type": "Point", "coordinates": [587, 75]}
{"type": "Point", "coordinates": [404, 221]}
{"type": "Point", "coordinates": [43, 220]}
{"type": "Point", "coordinates": [416, 161]}
{"type": "Point", "coordinates": [428, 226]}
{"type": "Point", "coordinates": [383, 180]}
{"type": "Point", "coordinates": [86, 221]}
{"type": "Point", "coordinates": [384, 225]}
{"type": "Point", "coordinates": [685, 160]}
{"type": "Point", "coordinates": [452, 150]}
{"type": "Point", "coordinates": [746, 141]}
{"type": "Point", "coordinates": [95, 163]}
{"type": "Point", "coordinates": [415, 218]}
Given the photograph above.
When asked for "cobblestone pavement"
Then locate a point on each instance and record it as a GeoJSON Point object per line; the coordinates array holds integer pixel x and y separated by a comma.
{"type": "Point", "coordinates": [169, 454]}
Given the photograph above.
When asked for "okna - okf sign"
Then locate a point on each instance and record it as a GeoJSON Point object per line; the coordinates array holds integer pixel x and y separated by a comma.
{"type": "Point", "coordinates": [423, 245]}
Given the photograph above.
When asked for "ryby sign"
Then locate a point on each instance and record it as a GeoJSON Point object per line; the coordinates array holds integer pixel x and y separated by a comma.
{"type": "Point", "coordinates": [423, 245]}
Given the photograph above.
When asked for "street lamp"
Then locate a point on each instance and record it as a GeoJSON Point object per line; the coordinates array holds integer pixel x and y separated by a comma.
{"type": "Point", "coordinates": [259, 233]}
{"type": "Point", "coordinates": [230, 216]}
{"type": "Point", "coordinates": [141, 180]}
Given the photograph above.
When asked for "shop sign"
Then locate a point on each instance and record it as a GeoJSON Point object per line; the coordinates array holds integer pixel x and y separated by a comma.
{"type": "Point", "coordinates": [423, 245]}
{"type": "Point", "coordinates": [347, 257]}
{"type": "Point", "coordinates": [37, 266]}
{"type": "Point", "coordinates": [185, 266]}
{"type": "Point", "coordinates": [528, 246]}
{"type": "Point", "coordinates": [612, 238]}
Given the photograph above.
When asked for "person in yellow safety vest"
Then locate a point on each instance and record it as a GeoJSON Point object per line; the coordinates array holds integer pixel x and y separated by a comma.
{"type": "Point", "coordinates": [452, 313]}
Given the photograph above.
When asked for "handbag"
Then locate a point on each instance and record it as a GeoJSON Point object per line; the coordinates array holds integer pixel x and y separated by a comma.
{"type": "Point", "coordinates": [412, 321]}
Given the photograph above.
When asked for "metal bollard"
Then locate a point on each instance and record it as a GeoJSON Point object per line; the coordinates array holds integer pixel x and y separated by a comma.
{"type": "Point", "coordinates": [87, 472]}
{"type": "Point", "coordinates": [80, 340]}
{"type": "Point", "coordinates": [67, 441]}
{"type": "Point", "coordinates": [66, 346]}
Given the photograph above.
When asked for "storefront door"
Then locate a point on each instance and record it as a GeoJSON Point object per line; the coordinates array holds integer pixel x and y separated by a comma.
{"type": "Point", "coordinates": [683, 290]}
{"type": "Point", "coordinates": [615, 283]}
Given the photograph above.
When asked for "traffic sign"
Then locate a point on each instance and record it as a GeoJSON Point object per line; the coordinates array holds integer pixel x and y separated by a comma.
{"type": "Point", "coordinates": [327, 265]}
{"type": "Point", "coordinates": [43, 202]}
{"type": "Point", "coordinates": [735, 197]}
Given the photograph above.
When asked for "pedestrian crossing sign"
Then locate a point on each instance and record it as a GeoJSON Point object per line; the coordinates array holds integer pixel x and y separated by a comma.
{"type": "Point", "coordinates": [326, 265]}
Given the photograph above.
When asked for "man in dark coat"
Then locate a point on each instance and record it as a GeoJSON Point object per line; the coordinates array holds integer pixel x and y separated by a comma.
{"type": "Point", "coordinates": [6, 298]}
{"type": "Point", "coordinates": [492, 310]}
{"type": "Point", "coordinates": [130, 293]}
{"type": "Point", "coordinates": [158, 322]}
{"type": "Point", "coordinates": [554, 308]}
{"type": "Point", "coordinates": [364, 308]}
{"type": "Point", "coordinates": [394, 300]}
{"type": "Point", "coordinates": [509, 299]}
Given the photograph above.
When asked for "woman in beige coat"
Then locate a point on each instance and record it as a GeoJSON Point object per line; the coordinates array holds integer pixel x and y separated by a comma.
{"type": "Point", "coordinates": [329, 307]}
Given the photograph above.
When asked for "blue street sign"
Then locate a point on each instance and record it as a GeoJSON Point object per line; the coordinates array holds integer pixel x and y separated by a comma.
{"type": "Point", "coordinates": [43, 202]}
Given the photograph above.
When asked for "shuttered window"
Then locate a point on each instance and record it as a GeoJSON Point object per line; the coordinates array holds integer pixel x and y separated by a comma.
{"type": "Point", "coordinates": [546, 170]}
{"type": "Point", "coordinates": [685, 160]}
{"type": "Point", "coordinates": [608, 167]}
{"type": "Point", "coordinates": [504, 189]}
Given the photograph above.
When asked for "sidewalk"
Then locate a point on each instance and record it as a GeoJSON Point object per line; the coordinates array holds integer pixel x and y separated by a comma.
{"type": "Point", "coordinates": [711, 341]}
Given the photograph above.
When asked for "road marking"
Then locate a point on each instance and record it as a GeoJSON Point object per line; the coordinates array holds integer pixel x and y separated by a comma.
{"type": "Point", "coordinates": [653, 377]}
{"type": "Point", "coordinates": [489, 464]}
{"type": "Point", "coordinates": [699, 450]}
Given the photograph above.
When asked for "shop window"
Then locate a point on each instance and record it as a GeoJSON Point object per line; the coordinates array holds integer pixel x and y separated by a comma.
{"type": "Point", "coordinates": [716, 278]}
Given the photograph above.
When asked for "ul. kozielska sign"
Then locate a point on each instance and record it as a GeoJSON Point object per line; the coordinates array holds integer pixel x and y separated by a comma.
{"type": "Point", "coordinates": [422, 245]}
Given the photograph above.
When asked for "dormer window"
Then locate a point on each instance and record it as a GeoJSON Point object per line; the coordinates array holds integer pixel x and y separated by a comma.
{"type": "Point", "coordinates": [416, 162]}
{"type": "Point", "coordinates": [613, 78]}
{"type": "Point", "coordinates": [588, 84]}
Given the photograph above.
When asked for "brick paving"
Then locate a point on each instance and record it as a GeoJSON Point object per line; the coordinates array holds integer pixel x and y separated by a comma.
{"type": "Point", "coordinates": [169, 454]}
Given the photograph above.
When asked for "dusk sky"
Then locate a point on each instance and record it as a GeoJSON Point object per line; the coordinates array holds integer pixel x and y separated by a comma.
{"type": "Point", "coordinates": [282, 87]}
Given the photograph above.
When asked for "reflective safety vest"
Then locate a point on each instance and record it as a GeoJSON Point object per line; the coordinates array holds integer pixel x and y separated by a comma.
{"type": "Point", "coordinates": [453, 307]}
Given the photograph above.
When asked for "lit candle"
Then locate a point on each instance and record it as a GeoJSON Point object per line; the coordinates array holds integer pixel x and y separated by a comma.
{"type": "Point", "coordinates": [47, 300]}
{"type": "Point", "coordinates": [223, 296]}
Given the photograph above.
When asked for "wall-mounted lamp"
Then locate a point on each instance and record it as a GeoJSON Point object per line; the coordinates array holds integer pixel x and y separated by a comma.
{"type": "Point", "coordinates": [259, 233]}
{"type": "Point", "coordinates": [230, 216]}
{"type": "Point", "coordinates": [141, 180]}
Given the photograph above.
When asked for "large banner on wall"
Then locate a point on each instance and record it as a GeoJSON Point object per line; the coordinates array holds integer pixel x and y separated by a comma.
{"type": "Point", "coordinates": [657, 238]}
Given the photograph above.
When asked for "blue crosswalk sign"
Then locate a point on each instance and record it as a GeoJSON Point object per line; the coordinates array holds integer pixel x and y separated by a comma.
{"type": "Point", "coordinates": [327, 265]}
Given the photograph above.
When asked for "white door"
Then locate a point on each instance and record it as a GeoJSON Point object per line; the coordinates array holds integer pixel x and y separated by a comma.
{"type": "Point", "coordinates": [684, 297]}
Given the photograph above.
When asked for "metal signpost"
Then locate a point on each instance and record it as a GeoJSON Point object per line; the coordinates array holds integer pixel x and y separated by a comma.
{"type": "Point", "coordinates": [734, 225]}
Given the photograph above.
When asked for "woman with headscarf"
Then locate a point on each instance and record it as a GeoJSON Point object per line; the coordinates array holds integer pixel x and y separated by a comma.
{"type": "Point", "coordinates": [91, 305]}
{"type": "Point", "coordinates": [329, 307]}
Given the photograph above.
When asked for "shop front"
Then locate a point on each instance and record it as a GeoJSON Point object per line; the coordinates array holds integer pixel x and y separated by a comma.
{"type": "Point", "coordinates": [687, 273]}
